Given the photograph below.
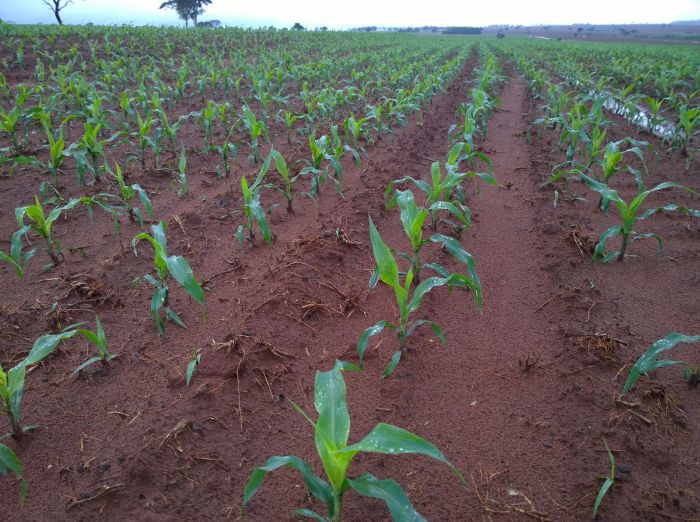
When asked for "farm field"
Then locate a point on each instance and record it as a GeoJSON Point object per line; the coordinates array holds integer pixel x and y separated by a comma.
{"type": "Point", "coordinates": [236, 210]}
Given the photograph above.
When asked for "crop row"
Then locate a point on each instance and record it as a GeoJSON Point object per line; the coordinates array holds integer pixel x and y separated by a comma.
{"type": "Point", "coordinates": [116, 121]}
{"type": "Point", "coordinates": [571, 99]}
{"type": "Point", "coordinates": [654, 88]}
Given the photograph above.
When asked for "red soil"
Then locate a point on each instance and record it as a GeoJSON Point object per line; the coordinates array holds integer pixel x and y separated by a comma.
{"type": "Point", "coordinates": [519, 401]}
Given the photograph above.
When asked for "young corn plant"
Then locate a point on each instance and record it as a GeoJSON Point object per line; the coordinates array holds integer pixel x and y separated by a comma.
{"type": "Point", "coordinates": [128, 193]}
{"type": "Point", "coordinates": [289, 119]}
{"type": "Point", "coordinates": [412, 219]}
{"type": "Point", "coordinates": [355, 129]}
{"type": "Point", "coordinates": [287, 185]}
{"type": "Point", "coordinates": [467, 152]}
{"type": "Point", "coordinates": [16, 258]}
{"type": "Point", "coordinates": [610, 161]}
{"type": "Point", "coordinates": [255, 129]}
{"type": "Point", "coordinates": [10, 463]}
{"type": "Point", "coordinates": [93, 146]}
{"type": "Point", "coordinates": [192, 366]}
{"type": "Point", "coordinates": [170, 130]}
{"type": "Point", "coordinates": [631, 216]}
{"type": "Point", "coordinates": [207, 116]}
{"type": "Point", "coordinates": [443, 193]}
{"type": "Point", "coordinates": [12, 382]}
{"type": "Point", "coordinates": [182, 174]}
{"type": "Point", "coordinates": [649, 361]}
{"type": "Point", "coordinates": [332, 430]}
{"type": "Point", "coordinates": [57, 145]}
{"type": "Point", "coordinates": [654, 115]}
{"type": "Point", "coordinates": [99, 339]}
{"type": "Point", "coordinates": [145, 141]}
{"type": "Point", "coordinates": [409, 302]}
{"type": "Point", "coordinates": [688, 127]}
{"type": "Point", "coordinates": [10, 125]}
{"type": "Point", "coordinates": [319, 149]}
{"type": "Point", "coordinates": [167, 266]}
{"type": "Point", "coordinates": [43, 224]}
{"type": "Point", "coordinates": [608, 483]}
{"type": "Point", "coordinates": [337, 150]}
{"type": "Point", "coordinates": [253, 210]}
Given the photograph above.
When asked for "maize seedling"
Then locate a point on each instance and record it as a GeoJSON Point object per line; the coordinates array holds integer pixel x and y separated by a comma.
{"type": "Point", "coordinates": [99, 339]}
{"type": "Point", "coordinates": [175, 266]}
{"type": "Point", "coordinates": [15, 258]}
{"type": "Point", "coordinates": [407, 302]}
{"type": "Point", "coordinates": [192, 366]}
{"type": "Point", "coordinates": [128, 193]}
{"type": "Point", "coordinates": [609, 481]}
{"type": "Point", "coordinates": [252, 208]}
{"type": "Point", "coordinates": [332, 429]}
{"type": "Point", "coordinates": [12, 381]}
{"type": "Point", "coordinates": [630, 217]}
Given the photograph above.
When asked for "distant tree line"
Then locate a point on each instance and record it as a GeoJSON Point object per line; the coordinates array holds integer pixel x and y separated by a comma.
{"type": "Point", "coordinates": [462, 30]}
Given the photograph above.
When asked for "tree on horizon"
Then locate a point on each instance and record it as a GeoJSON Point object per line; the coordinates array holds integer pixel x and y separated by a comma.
{"type": "Point", "coordinates": [186, 9]}
{"type": "Point", "coordinates": [56, 6]}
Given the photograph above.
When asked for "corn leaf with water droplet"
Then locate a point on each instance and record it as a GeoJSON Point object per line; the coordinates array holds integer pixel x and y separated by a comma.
{"type": "Point", "coordinates": [391, 493]}
{"type": "Point", "coordinates": [649, 361]}
{"type": "Point", "coordinates": [392, 440]}
{"type": "Point", "coordinates": [333, 425]}
{"type": "Point", "coordinates": [46, 344]}
{"type": "Point", "coordinates": [180, 269]}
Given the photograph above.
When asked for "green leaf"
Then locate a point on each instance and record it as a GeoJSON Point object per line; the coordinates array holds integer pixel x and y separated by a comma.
{"type": "Point", "coordinates": [158, 232]}
{"type": "Point", "coordinates": [318, 487]}
{"type": "Point", "coordinates": [599, 251]}
{"type": "Point", "coordinates": [310, 514]}
{"type": "Point", "coordinates": [423, 288]}
{"type": "Point", "coordinates": [608, 481]}
{"type": "Point", "coordinates": [333, 425]}
{"type": "Point", "coordinates": [157, 300]}
{"type": "Point", "coordinates": [392, 440]}
{"type": "Point", "coordinates": [392, 364]}
{"type": "Point", "coordinates": [488, 178]}
{"type": "Point", "coordinates": [451, 208]}
{"type": "Point", "coordinates": [46, 344]}
{"type": "Point", "coordinates": [261, 218]}
{"type": "Point", "coordinates": [15, 389]}
{"type": "Point", "coordinates": [412, 217]}
{"type": "Point", "coordinates": [637, 201]}
{"type": "Point", "coordinates": [182, 165]}
{"type": "Point", "coordinates": [601, 493]}
{"type": "Point", "coordinates": [434, 326]}
{"type": "Point", "coordinates": [649, 360]}
{"type": "Point", "coordinates": [386, 264]}
{"type": "Point", "coordinates": [172, 316]}
{"type": "Point", "coordinates": [399, 505]}
{"type": "Point", "coordinates": [330, 400]}
{"type": "Point", "coordinates": [370, 332]}
{"type": "Point", "coordinates": [145, 201]}
{"type": "Point", "coordinates": [191, 367]}
{"type": "Point", "coordinates": [601, 188]}
{"type": "Point", "coordinates": [9, 462]}
{"type": "Point", "coordinates": [180, 269]}
{"type": "Point", "coordinates": [84, 365]}
{"type": "Point", "coordinates": [671, 207]}
{"type": "Point", "coordinates": [455, 249]}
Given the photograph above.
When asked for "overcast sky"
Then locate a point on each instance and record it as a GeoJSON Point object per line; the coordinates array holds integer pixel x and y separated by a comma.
{"type": "Point", "coordinates": [338, 15]}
